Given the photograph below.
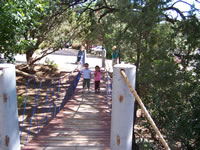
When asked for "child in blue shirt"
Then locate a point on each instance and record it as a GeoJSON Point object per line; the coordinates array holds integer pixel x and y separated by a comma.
{"type": "Point", "coordinates": [86, 76]}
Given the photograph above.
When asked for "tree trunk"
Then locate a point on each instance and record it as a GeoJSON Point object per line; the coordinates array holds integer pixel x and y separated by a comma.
{"type": "Point", "coordinates": [29, 58]}
{"type": "Point", "coordinates": [30, 52]}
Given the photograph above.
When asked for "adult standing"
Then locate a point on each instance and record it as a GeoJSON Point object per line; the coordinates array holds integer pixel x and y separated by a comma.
{"type": "Point", "coordinates": [80, 55]}
{"type": "Point", "coordinates": [115, 55]}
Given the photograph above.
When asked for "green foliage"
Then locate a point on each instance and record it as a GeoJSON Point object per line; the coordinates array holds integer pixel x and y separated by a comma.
{"type": "Point", "coordinates": [51, 63]}
{"type": "Point", "coordinates": [7, 29]}
{"type": "Point", "coordinates": [19, 25]}
{"type": "Point", "coordinates": [166, 55]}
{"type": "Point", "coordinates": [164, 49]}
{"type": "Point", "coordinates": [170, 89]}
{"type": "Point", "coordinates": [27, 23]}
{"type": "Point", "coordinates": [145, 144]}
{"type": "Point", "coordinates": [20, 102]}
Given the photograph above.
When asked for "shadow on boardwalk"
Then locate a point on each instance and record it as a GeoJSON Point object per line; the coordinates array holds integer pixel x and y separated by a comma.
{"type": "Point", "coordinates": [83, 124]}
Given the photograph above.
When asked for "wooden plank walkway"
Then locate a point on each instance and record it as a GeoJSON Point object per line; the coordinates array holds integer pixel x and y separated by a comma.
{"type": "Point", "coordinates": [83, 124]}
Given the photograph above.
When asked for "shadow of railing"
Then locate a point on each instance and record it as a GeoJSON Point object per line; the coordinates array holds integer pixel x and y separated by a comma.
{"type": "Point", "coordinates": [42, 101]}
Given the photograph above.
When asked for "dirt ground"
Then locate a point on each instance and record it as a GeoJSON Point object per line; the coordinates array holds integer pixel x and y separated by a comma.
{"type": "Point", "coordinates": [39, 97]}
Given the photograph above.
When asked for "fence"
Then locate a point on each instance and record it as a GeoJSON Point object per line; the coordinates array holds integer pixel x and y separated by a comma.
{"type": "Point", "coordinates": [109, 90]}
{"type": "Point", "coordinates": [108, 85]}
{"type": "Point", "coordinates": [43, 99]}
{"type": "Point", "coordinates": [123, 96]}
{"type": "Point", "coordinates": [9, 128]}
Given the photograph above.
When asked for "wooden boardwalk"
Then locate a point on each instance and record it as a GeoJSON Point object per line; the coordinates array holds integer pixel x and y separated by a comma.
{"type": "Point", "coordinates": [83, 124]}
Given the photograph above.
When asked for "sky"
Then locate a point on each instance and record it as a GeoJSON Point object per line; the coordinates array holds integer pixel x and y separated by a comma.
{"type": "Point", "coordinates": [184, 7]}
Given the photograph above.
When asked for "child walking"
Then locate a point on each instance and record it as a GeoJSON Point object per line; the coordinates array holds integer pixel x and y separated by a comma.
{"type": "Point", "coordinates": [86, 76]}
{"type": "Point", "coordinates": [97, 78]}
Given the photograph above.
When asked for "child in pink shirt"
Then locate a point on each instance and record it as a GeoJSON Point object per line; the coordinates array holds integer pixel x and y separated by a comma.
{"type": "Point", "coordinates": [97, 78]}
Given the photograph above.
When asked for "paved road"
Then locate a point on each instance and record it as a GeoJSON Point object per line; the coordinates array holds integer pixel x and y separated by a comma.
{"type": "Point", "coordinates": [66, 58]}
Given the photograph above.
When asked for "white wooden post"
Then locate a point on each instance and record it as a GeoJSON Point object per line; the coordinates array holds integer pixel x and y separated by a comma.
{"type": "Point", "coordinates": [103, 58]}
{"type": "Point", "coordinates": [122, 108]}
{"type": "Point", "coordinates": [9, 127]}
{"type": "Point", "coordinates": [84, 57]}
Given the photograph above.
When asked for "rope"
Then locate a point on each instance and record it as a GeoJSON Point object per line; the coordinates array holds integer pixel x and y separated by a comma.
{"type": "Point", "coordinates": [24, 107]}
{"type": "Point", "coordinates": [162, 140]}
{"type": "Point", "coordinates": [108, 89]}
{"type": "Point", "coordinates": [57, 98]}
{"type": "Point", "coordinates": [33, 112]}
{"type": "Point", "coordinates": [64, 99]}
{"type": "Point", "coordinates": [68, 91]}
{"type": "Point", "coordinates": [63, 91]}
{"type": "Point", "coordinates": [108, 85]}
{"type": "Point", "coordinates": [53, 83]}
{"type": "Point", "coordinates": [70, 88]}
{"type": "Point", "coordinates": [44, 109]}
{"type": "Point", "coordinates": [51, 101]}
{"type": "Point", "coordinates": [39, 78]}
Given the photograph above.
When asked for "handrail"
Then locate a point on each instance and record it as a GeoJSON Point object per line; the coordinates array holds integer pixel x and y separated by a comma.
{"type": "Point", "coordinates": [162, 140]}
{"type": "Point", "coordinates": [40, 78]}
{"type": "Point", "coordinates": [108, 85]}
{"type": "Point", "coordinates": [108, 89]}
{"type": "Point", "coordinates": [43, 78]}
{"type": "Point", "coordinates": [67, 93]}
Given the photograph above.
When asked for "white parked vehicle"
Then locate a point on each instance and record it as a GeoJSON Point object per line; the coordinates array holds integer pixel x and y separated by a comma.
{"type": "Point", "coordinates": [2, 60]}
{"type": "Point", "coordinates": [98, 50]}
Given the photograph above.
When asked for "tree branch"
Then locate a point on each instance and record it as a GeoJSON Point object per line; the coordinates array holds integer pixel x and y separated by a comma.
{"type": "Point", "coordinates": [106, 13]}
{"type": "Point", "coordinates": [180, 1]}
{"type": "Point", "coordinates": [44, 53]}
{"type": "Point", "coordinates": [175, 9]}
{"type": "Point", "coordinates": [105, 3]}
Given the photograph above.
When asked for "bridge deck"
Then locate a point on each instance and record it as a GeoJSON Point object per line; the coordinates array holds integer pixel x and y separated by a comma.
{"type": "Point", "coordinates": [83, 124]}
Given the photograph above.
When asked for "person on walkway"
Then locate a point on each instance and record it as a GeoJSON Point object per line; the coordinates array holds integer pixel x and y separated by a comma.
{"type": "Point", "coordinates": [80, 55]}
{"type": "Point", "coordinates": [115, 55]}
{"type": "Point", "coordinates": [86, 77]}
{"type": "Point", "coordinates": [67, 45]}
{"type": "Point", "coordinates": [97, 78]}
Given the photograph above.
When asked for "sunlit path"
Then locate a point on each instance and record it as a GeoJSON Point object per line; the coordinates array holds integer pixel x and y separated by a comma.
{"type": "Point", "coordinates": [83, 124]}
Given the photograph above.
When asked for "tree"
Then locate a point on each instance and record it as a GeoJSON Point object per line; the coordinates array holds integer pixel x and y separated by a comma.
{"type": "Point", "coordinates": [7, 29]}
{"type": "Point", "coordinates": [152, 40]}
{"type": "Point", "coordinates": [31, 21]}
{"type": "Point", "coordinates": [147, 35]}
